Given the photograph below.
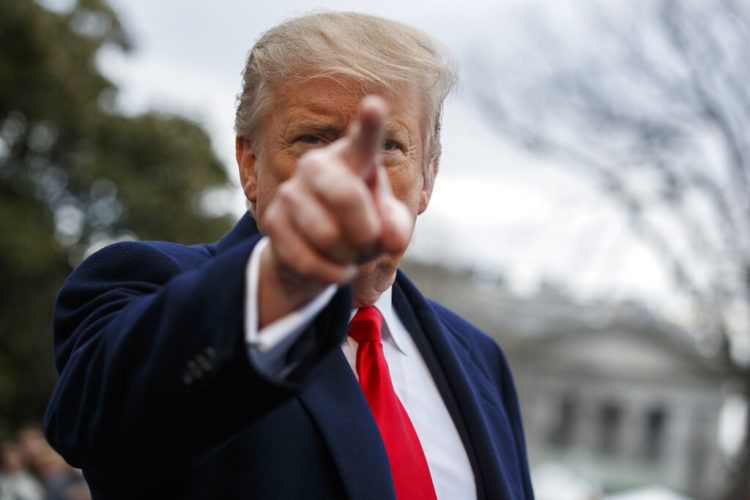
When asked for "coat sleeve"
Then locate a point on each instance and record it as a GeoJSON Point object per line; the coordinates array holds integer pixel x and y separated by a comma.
{"type": "Point", "coordinates": [152, 360]}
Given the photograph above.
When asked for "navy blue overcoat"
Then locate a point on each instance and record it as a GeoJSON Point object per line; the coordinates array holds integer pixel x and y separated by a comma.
{"type": "Point", "coordinates": [158, 398]}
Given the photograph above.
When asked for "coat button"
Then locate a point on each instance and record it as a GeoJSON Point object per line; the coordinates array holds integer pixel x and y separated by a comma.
{"type": "Point", "coordinates": [194, 369]}
{"type": "Point", "coordinates": [205, 363]}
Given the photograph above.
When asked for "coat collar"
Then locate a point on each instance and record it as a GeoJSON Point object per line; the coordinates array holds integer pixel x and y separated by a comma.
{"type": "Point", "coordinates": [243, 229]}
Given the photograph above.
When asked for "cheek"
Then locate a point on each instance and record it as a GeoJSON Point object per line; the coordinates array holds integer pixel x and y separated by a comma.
{"type": "Point", "coordinates": [265, 193]}
{"type": "Point", "coordinates": [407, 186]}
{"type": "Point", "coordinates": [270, 177]}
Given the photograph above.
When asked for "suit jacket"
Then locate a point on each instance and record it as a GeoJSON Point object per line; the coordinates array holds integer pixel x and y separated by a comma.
{"type": "Point", "coordinates": [157, 396]}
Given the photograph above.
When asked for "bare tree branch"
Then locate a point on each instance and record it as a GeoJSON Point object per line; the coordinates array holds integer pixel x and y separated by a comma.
{"type": "Point", "coordinates": [654, 107]}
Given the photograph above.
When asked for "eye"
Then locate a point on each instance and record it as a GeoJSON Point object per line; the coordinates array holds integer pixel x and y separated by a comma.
{"type": "Point", "coordinates": [390, 145]}
{"type": "Point", "coordinates": [310, 139]}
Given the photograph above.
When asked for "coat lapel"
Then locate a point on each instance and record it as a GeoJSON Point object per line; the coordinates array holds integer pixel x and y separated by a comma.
{"type": "Point", "coordinates": [456, 375]}
{"type": "Point", "coordinates": [336, 403]}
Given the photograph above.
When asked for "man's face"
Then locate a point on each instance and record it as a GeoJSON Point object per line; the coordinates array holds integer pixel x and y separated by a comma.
{"type": "Point", "coordinates": [314, 114]}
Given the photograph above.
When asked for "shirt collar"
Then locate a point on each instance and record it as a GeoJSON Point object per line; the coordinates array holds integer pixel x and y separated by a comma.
{"type": "Point", "coordinates": [391, 323]}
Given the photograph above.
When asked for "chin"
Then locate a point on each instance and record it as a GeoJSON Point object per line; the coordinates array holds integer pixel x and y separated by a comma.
{"type": "Point", "coordinates": [374, 278]}
{"type": "Point", "coordinates": [385, 265]}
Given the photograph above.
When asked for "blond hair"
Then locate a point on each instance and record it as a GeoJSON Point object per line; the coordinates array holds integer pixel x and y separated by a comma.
{"type": "Point", "coordinates": [366, 48]}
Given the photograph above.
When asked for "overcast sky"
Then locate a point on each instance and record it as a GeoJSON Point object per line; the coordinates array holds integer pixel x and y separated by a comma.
{"type": "Point", "coordinates": [494, 207]}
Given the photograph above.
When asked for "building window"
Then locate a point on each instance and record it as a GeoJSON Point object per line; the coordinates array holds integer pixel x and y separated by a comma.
{"type": "Point", "coordinates": [654, 435]}
{"type": "Point", "coordinates": [610, 427]}
{"type": "Point", "coordinates": [562, 423]}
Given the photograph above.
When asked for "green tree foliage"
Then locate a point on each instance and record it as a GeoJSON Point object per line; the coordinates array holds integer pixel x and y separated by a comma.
{"type": "Point", "coordinates": [75, 174]}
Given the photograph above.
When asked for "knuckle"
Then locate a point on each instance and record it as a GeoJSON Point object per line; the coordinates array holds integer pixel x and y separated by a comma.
{"type": "Point", "coordinates": [367, 231]}
{"type": "Point", "coordinates": [327, 235]}
{"type": "Point", "coordinates": [372, 227]}
{"type": "Point", "coordinates": [348, 195]}
{"type": "Point", "coordinates": [304, 264]}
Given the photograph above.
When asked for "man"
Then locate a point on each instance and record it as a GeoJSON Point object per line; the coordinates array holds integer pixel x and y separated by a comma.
{"type": "Point", "coordinates": [225, 370]}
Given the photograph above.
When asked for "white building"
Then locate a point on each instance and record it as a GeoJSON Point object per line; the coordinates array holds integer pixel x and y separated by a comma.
{"type": "Point", "coordinates": [607, 391]}
{"type": "Point", "coordinates": [624, 407]}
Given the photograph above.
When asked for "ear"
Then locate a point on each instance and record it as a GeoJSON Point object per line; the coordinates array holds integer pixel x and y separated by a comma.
{"type": "Point", "coordinates": [246, 160]}
{"type": "Point", "coordinates": [428, 181]}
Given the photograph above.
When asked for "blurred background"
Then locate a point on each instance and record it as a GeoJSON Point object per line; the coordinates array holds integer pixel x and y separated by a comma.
{"type": "Point", "coordinates": [596, 157]}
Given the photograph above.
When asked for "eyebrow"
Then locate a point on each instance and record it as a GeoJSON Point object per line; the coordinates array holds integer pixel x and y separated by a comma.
{"type": "Point", "coordinates": [314, 126]}
{"type": "Point", "coordinates": [334, 128]}
{"type": "Point", "coordinates": [396, 130]}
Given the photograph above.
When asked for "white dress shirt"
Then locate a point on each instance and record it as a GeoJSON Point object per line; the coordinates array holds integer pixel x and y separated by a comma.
{"type": "Point", "coordinates": [446, 457]}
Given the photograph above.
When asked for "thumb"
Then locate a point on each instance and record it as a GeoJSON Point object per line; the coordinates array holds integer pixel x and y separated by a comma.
{"type": "Point", "coordinates": [397, 221]}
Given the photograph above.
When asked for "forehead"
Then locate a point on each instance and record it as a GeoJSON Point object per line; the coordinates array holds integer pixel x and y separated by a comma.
{"type": "Point", "coordinates": [337, 99]}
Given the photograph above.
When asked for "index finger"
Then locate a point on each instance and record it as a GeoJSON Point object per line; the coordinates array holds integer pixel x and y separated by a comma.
{"type": "Point", "coordinates": [366, 136]}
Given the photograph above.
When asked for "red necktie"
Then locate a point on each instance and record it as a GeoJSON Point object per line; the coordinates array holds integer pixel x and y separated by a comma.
{"type": "Point", "coordinates": [411, 476]}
